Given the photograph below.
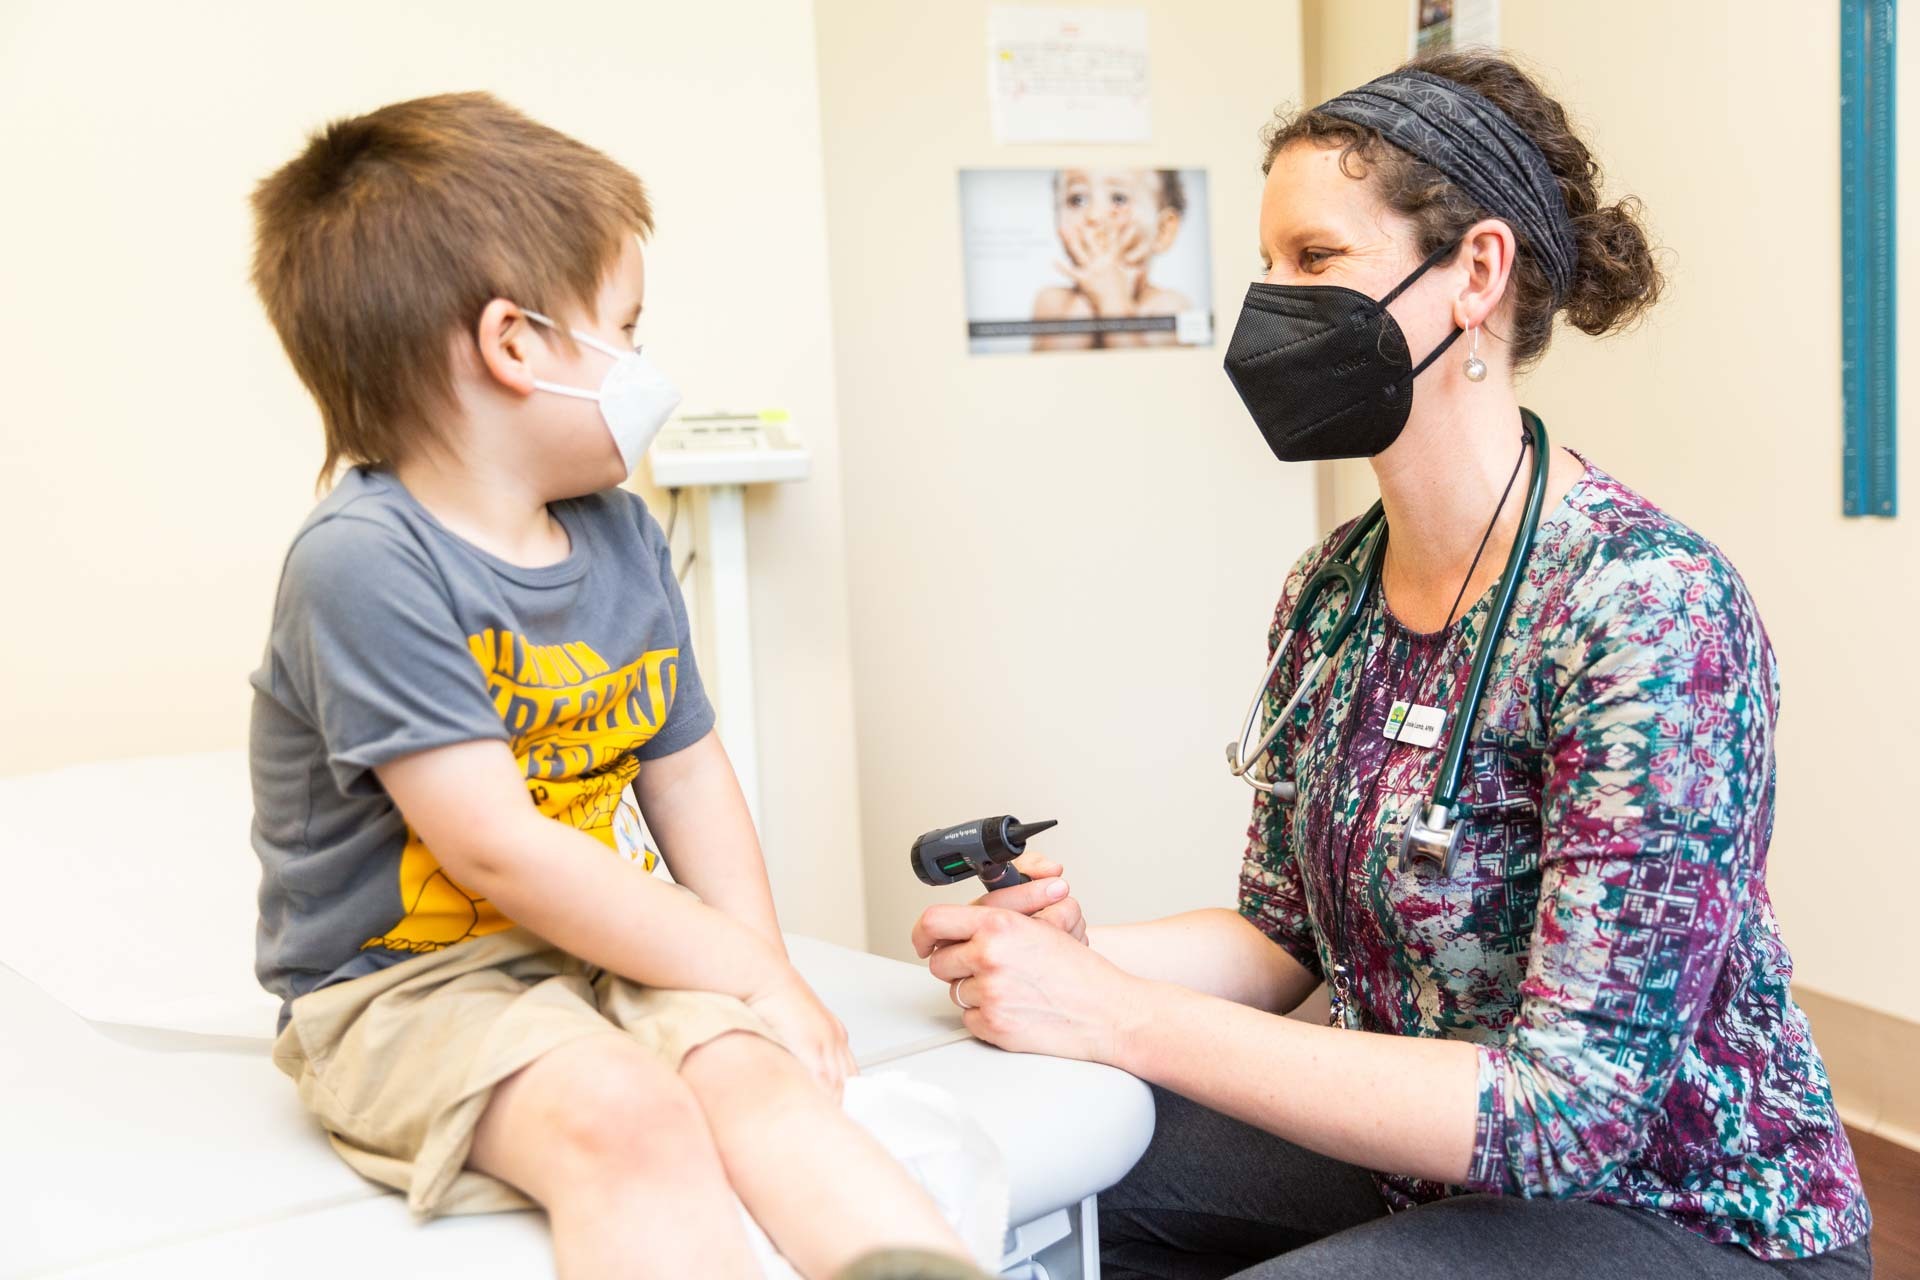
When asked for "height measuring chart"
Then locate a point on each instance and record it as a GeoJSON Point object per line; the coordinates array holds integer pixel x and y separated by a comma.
{"type": "Point", "coordinates": [1868, 269]}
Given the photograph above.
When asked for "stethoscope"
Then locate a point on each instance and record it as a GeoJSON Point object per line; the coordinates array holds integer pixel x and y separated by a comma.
{"type": "Point", "coordinates": [1432, 836]}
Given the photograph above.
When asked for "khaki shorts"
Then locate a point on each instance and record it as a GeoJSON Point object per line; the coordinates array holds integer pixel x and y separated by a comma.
{"type": "Point", "coordinates": [399, 1065]}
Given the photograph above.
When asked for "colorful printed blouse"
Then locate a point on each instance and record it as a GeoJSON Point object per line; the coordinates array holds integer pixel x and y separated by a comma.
{"type": "Point", "coordinates": [1606, 938]}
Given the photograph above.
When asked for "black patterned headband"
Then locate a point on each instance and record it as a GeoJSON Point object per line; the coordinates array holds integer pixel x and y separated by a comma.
{"type": "Point", "coordinates": [1478, 149]}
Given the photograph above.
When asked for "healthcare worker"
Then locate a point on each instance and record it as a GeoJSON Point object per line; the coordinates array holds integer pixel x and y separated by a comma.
{"type": "Point", "coordinates": [1563, 1040]}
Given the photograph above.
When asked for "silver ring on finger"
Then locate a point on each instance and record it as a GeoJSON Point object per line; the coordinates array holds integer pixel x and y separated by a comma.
{"type": "Point", "coordinates": [958, 998]}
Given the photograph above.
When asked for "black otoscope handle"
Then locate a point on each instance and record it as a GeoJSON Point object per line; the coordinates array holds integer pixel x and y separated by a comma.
{"type": "Point", "coordinates": [1003, 875]}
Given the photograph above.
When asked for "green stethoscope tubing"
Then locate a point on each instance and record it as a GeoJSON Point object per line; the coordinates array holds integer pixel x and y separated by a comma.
{"type": "Point", "coordinates": [1360, 586]}
{"type": "Point", "coordinates": [1446, 791]}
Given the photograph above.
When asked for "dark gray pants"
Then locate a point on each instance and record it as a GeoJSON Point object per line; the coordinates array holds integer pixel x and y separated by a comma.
{"type": "Point", "coordinates": [1214, 1197]}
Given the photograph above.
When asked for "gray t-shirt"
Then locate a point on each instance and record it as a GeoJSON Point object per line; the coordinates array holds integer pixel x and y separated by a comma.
{"type": "Point", "coordinates": [391, 635]}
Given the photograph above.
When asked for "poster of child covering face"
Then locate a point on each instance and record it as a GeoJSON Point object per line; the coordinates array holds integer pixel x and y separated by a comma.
{"type": "Point", "coordinates": [1085, 259]}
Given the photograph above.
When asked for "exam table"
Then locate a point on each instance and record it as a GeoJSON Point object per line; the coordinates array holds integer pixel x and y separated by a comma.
{"type": "Point", "coordinates": [144, 1132]}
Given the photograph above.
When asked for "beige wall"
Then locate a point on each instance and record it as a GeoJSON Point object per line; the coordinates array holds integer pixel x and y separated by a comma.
{"type": "Point", "coordinates": [1725, 408]}
{"type": "Point", "coordinates": [157, 452]}
{"type": "Point", "coordinates": [1061, 567]}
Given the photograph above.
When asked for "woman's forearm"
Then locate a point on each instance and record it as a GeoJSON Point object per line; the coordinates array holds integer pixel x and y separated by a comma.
{"type": "Point", "coordinates": [1215, 951]}
{"type": "Point", "coordinates": [1398, 1104]}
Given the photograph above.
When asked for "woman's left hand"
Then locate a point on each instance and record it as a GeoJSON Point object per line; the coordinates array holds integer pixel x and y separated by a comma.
{"type": "Point", "coordinates": [1026, 986]}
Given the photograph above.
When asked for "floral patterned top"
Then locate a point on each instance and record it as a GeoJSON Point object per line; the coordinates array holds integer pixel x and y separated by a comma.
{"type": "Point", "coordinates": [1606, 938]}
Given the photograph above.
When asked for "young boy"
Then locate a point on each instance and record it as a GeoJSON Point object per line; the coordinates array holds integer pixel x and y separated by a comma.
{"type": "Point", "coordinates": [1112, 223]}
{"type": "Point", "coordinates": [477, 646]}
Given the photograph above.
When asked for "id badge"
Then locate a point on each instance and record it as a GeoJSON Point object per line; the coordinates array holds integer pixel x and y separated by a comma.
{"type": "Point", "coordinates": [1414, 724]}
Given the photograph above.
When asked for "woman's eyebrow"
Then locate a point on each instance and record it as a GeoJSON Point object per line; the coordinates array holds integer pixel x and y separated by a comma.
{"type": "Point", "coordinates": [1314, 234]}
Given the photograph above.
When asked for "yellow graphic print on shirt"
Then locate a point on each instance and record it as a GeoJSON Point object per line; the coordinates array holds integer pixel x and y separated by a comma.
{"type": "Point", "coordinates": [574, 724]}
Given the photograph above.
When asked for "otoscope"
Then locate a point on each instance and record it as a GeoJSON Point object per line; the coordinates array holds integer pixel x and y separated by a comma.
{"type": "Point", "coordinates": [984, 848]}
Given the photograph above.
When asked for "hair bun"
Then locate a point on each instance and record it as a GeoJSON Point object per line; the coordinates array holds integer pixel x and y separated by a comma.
{"type": "Point", "coordinates": [1616, 280]}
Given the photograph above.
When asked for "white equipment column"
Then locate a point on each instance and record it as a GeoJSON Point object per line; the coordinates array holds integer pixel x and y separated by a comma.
{"type": "Point", "coordinates": [731, 675]}
{"type": "Point", "coordinates": [719, 455]}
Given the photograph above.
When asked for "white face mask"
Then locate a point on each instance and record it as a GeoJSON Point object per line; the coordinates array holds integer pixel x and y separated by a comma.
{"type": "Point", "coordinates": [635, 397]}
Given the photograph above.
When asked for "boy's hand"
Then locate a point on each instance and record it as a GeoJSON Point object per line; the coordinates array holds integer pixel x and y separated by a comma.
{"type": "Point", "coordinates": [807, 1027]}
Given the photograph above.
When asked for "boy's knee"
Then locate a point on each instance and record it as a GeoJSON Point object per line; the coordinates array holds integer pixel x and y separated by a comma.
{"type": "Point", "coordinates": [748, 1086]}
{"type": "Point", "coordinates": [741, 1068]}
{"type": "Point", "coordinates": [620, 1112]}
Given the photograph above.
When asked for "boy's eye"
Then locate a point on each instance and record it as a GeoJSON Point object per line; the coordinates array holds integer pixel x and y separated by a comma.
{"type": "Point", "coordinates": [1119, 198]}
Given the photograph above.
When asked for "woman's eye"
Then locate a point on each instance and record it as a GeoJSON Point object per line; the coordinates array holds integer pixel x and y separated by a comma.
{"type": "Point", "coordinates": [1312, 259]}
{"type": "Point", "coordinates": [1119, 199]}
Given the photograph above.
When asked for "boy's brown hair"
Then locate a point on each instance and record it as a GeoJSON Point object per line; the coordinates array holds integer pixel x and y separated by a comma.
{"type": "Point", "coordinates": [392, 231]}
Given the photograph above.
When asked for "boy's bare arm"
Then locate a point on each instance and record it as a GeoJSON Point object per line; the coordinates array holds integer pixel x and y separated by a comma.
{"type": "Point", "coordinates": [469, 804]}
{"type": "Point", "coordinates": [694, 808]}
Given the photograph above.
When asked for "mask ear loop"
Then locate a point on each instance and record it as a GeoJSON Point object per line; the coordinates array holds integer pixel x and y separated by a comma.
{"type": "Point", "coordinates": [559, 388]}
{"type": "Point", "coordinates": [1444, 251]}
{"type": "Point", "coordinates": [578, 336]}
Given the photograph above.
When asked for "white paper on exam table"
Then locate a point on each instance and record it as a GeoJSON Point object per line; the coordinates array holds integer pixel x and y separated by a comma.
{"type": "Point", "coordinates": [111, 1149]}
{"type": "Point", "coordinates": [131, 894]}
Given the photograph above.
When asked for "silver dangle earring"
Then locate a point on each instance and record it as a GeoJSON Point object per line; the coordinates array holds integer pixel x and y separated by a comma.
{"type": "Point", "coordinates": [1475, 368]}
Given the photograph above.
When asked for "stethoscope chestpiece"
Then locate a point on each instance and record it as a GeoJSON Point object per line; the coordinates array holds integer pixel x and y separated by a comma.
{"type": "Point", "coordinates": [1432, 838]}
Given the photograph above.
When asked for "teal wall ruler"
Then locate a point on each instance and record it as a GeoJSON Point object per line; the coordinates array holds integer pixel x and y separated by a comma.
{"type": "Point", "coordinates": [1868, 269]}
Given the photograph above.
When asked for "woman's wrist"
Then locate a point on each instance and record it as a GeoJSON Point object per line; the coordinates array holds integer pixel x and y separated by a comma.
{"type": "Point", "coordinates": [1142, 1021]}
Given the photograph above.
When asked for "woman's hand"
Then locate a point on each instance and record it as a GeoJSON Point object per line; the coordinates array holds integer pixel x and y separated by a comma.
{"type": "Point", "coordinates": [1027, 986]}
{"type": "Point", "coordinates": [1047, 896]}
{"type": "Point", "coordinates": [807, 1027]}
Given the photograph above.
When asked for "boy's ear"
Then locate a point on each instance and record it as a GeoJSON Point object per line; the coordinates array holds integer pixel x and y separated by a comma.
{"type": "Point", "coordinates": [1166, 228]}
{"type": "Point", "coordinates": [504, 337]}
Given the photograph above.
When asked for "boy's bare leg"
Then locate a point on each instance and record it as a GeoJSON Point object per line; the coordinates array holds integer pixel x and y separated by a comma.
{"type": "Point", "coordinates": [819, 1185]}
{"type": "Point", "coordinates": [616, 1148]}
